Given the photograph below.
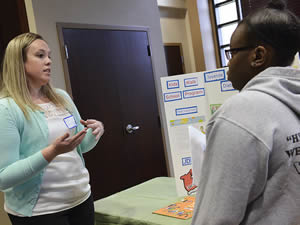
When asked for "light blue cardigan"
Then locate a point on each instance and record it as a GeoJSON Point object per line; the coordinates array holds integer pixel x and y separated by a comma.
{"type": "Point", "coordinates": [21, 161]}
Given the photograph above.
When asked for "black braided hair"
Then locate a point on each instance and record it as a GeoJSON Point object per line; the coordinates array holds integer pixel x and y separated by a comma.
{"type": "Point", "coordinates": [276, 26]}
{"type": "Point", "coordinates": [277, 4]}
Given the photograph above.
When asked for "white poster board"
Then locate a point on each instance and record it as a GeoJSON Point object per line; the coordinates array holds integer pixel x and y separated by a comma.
{"type": "Point", "coordinates": [296, 62]}
{"type": "Point", "coordinates": [190, 100]}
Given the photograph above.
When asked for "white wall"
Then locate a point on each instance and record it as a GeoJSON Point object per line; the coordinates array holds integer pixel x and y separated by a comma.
{"type": "Point", "coordinates": [102, 12]}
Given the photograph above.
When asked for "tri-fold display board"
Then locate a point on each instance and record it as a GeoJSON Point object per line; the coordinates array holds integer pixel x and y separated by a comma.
{"type": "Point", "coordinates": [190, 100]}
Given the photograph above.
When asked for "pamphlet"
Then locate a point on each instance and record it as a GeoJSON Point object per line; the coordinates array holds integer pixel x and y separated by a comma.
{"type": "Point", "coordinates": [182, 209]}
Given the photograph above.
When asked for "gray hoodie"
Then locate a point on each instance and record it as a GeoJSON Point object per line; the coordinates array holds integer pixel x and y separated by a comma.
{"type": "Point", "coordinates": [251, 169]}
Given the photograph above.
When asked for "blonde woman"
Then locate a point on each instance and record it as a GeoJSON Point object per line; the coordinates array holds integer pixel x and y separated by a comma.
{"type": "Point", "coordinates": [42, 172]}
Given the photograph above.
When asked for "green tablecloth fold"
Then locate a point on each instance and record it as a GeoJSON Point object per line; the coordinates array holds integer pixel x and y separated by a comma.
{"type": "Point", "coordinates": [135, 205]}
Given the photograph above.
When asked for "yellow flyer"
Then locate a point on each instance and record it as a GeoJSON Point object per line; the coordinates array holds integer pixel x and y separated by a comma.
{"type": "Point", "coordinates": [182, 209]}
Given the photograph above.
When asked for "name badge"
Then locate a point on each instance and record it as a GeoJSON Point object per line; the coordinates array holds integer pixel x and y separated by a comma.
{"type": "Point", "coordinates": [70, 122]}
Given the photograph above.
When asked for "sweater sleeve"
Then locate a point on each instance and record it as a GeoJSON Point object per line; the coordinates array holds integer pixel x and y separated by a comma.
{"type": "Point", "coordinates": [89, 141]}
{"type": "Point", "coordinates": [13, 170]}
{"type": "Point", "coordinates": [234, 173]}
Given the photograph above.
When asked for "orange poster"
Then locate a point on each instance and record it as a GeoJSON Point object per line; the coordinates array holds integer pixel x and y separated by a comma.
{"type": "Point", "coordinates": [181, 210]}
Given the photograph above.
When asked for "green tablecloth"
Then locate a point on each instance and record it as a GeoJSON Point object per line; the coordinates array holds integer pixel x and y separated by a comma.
{"type": "Point", "coordinates": [135, 205]}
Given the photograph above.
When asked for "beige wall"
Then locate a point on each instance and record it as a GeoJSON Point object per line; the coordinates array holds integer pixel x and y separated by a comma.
{"type": "Point", "coordinates": [174, 30]}
{"type": "Point", "coordinates": [44, 14]}
{"type": "Point", "coordinates": [189, 22]}
{"type": "Point", "coordinates": [171, 3]}
{"type": "Point", "coordinates": [207, 34]}
{"type": "Point", "coordinates": [4, 220]}
{"type": "Point", "coordinates": [192, 7]}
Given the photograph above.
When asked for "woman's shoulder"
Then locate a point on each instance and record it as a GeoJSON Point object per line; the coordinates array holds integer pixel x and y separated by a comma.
{"type": "Point", "coordinates": [9, 106]}
{"type": "Point", "coordinates": [7, 102]}
{"type": "Point", "coordinates": [61, 92]}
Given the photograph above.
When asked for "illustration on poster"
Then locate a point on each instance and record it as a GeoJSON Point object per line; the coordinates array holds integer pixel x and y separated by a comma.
{"type": "Point", "coordinates": [188, 182]}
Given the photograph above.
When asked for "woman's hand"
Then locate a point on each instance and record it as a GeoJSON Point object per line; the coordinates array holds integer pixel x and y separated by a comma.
{"type": "Point", "coordinates": [95, 125]}
{"type": "Point", "coordinates": [63, 144]}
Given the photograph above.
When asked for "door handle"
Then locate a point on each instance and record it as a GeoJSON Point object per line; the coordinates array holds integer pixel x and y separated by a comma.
{"type": "Point", "coordinates": [130, 128]}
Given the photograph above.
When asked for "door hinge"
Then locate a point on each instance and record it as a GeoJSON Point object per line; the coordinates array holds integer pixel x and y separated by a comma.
{"type": "Point", "coordinates": [66, 52]}
{"type": "Point", "coordinates": [149, 50]}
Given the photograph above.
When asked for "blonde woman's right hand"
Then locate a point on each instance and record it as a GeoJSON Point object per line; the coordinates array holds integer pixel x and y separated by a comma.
{"type": "Point", "coordinates": [63, 144]}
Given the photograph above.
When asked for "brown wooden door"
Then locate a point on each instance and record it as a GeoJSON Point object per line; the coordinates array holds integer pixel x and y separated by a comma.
{"type": "Point", "coordinates": [112, 81]}
{"type": "Point", "coordinates": [13, 21]}
{"type": "Point", "coordinates": [174, 59]}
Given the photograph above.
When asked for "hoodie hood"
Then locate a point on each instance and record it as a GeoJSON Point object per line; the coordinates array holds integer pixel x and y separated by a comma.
{"type": "Point", "coordinates": [282, 83]}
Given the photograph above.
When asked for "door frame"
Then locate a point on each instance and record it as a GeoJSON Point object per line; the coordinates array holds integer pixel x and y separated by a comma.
{"type": "Point", "coordinates": [181, 52]}
{"type": "Point", "coordinates": [60, 26]}
{"type": "Point", "coordinates": [63, 51]}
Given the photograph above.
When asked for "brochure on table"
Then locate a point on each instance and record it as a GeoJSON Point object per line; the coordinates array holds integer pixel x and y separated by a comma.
{"type": "Point", "coordinates": [181, 209]}
{"type": "Point", "coordinates": [190, 100]}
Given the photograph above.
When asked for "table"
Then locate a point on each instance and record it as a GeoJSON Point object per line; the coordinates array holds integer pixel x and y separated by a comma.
{"type": "Point", "coordinates": [135, 205]}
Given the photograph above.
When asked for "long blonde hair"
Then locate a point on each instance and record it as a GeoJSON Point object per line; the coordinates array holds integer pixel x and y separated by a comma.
{"type": "Point", "coordinates": [13, 81]}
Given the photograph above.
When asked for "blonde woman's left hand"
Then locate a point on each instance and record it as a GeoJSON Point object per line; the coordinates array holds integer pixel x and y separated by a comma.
{"type": "Point", "coordinates": [96, 126]}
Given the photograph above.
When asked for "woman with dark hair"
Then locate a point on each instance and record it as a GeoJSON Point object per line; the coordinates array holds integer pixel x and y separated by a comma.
{"type": "Point", "coordinates": [251, 168]}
